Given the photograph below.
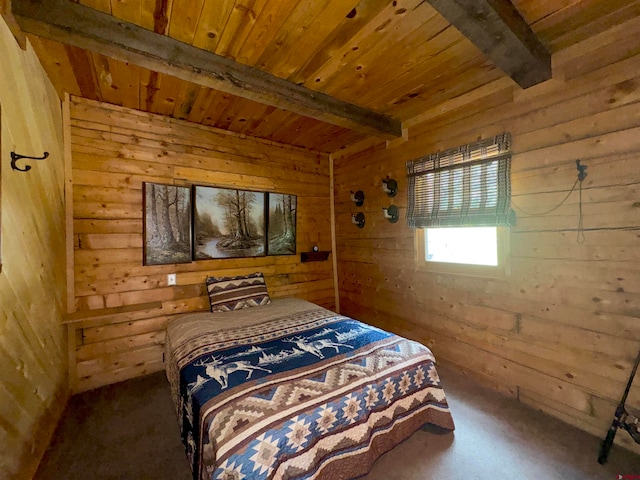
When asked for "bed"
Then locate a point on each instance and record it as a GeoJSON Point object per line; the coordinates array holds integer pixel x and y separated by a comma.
{"type": "Point", "coordinates": [291, 390]}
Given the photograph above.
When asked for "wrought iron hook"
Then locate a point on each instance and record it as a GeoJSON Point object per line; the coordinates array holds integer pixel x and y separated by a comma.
{"type": "Point", "coordinates": [16, 156]}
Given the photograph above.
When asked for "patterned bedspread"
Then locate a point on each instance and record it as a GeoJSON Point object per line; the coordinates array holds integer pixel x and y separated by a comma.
{"type": "Point", "coordinates": [291, 390]}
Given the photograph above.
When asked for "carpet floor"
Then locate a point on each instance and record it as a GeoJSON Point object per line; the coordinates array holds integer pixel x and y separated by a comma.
{"type": "Point", "coordinates": [129, 431]}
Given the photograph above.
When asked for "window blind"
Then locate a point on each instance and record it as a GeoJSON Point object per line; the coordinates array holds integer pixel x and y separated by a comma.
{"type": "Point", "coordinates": [465, 186]}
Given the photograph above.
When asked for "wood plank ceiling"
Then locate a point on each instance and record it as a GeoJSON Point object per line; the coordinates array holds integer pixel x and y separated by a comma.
{"type": "Point", "coordinates": [399, 58]}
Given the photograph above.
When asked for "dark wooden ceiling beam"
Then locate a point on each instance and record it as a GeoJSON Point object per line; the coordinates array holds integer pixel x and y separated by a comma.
{"type": "Point", "coordinates": [5, 12]}
{"type": "Point", "coordinates": [497, 28]}
{"type": "Point", "coordinates": [74, 24]}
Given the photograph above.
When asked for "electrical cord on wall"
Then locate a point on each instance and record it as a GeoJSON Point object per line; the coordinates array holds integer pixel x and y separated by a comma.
{"type": "Point", "coordinates": [580, 236]}
{"type": "Point", "coordinates": [582, 174]}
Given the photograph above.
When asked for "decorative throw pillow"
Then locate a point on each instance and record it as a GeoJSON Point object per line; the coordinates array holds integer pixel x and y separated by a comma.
{"type": "Point", "coordinates": [233, 293]}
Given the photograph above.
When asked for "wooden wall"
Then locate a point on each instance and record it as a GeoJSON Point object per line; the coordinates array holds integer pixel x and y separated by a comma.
{"type": "Point", "coordinates": [121, 307]}
{"type": "Point", "coordinates": [562, 331]}
{"type": "Point", "coordinates": [32, 279]}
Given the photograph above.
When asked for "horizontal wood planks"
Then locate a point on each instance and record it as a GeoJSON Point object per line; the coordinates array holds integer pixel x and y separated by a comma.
{"type": "Point", "coordinates": [401, 58]}
{"type": "Point", "coordinates": [562, 331]}
{"type": "Point", "coordinates": [85, 27]}
{"type": "Point", "coordinates": [33, 384]}
{"type": "Point", "coordinates": [122, 307]}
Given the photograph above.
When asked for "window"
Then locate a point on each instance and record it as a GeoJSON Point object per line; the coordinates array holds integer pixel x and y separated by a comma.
{"type": "Point", "coordinates": [451, 245]}
{"type": "Point", "coordinates": [480, 251]}
{"type": "Point", "coordinates": [459, 204]}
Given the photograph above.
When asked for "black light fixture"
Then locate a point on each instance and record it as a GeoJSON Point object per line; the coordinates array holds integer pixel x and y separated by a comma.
{"type": "Point", "coordinates": [357, 197]}
{"type": "Point", "coordinates": [391, 213]}
{"type": "Point", "coordinates": [358, 219]}
{"type": "Point", "coordinates": [390, 186]}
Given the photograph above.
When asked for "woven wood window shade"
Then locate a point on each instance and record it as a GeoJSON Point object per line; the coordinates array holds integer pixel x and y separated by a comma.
{"type": "Point", "coordinates": [465, 186]}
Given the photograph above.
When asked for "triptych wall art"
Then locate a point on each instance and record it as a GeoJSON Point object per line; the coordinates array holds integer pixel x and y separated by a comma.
{"type": "Point", "coordinates": [182, 224]}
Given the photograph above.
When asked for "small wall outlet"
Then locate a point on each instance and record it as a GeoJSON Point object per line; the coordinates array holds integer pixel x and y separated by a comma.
{"type": "Point", "coordinates": [171, 279]}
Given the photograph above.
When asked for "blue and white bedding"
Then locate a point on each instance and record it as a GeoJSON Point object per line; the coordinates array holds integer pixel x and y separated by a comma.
{"type": "Point", "coordinates": [292, 390]}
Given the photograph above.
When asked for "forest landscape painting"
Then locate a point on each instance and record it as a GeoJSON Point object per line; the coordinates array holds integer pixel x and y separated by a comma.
{"type": "Point", "coordinates": [228, 223]}
{"type": "Point", "coordinates": [282, 224]}
{"type": "Point", "coordinates": [167, 224]}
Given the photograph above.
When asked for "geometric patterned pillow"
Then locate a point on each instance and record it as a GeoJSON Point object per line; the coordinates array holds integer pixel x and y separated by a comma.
{"type": "Point", "coordinates": [233, 293]}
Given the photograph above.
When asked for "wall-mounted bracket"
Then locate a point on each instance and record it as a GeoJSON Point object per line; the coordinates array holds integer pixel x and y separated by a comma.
{"type": "Point", "coordinates": [357, 197]}
{"type": "Point", "coordinates": [390, 187]}
{"type": "Point", "coordinates": [582, 170]}
{"type": "Point", "coordinates": [16, 156]}
{"type": "Point", "coordinates": [391, 213]}
{"type": "Point", "coordinates": [358, 219]}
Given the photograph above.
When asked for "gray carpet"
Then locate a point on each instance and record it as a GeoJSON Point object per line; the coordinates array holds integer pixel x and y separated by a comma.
{"type": "Point", "coordinates": [129, 431]}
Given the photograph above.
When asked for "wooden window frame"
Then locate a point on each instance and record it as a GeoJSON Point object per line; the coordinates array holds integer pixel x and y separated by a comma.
{"type": "Point", "coordinates": [502, 270]}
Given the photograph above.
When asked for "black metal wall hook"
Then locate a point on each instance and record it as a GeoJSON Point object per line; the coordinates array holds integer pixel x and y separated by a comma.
{"type": "Point", "coordinates": [16, 156]}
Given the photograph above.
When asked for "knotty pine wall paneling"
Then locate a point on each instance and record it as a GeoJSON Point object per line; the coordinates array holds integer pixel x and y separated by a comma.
{"type": "Point", "coordinates": [562, 331]}
{"type": "Point", "coordinates": [121, 307]}
{"type": "Point", "coordinates": [33, 383]}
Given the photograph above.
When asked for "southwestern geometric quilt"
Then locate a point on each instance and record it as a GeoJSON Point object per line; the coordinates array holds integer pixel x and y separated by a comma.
{"type": "Point", "coordinates": [292, 390]}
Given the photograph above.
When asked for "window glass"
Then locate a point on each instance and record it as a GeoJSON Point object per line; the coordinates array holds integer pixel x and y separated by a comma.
{"type": "Point", "coordinates": [475, 251]}
{"type": "Point", "coordinates": [466, 245]}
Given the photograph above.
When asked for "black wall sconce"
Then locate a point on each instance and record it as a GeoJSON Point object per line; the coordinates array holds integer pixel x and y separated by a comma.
{"type": "Point", "coordinates": [357, 198]}
{"type": "Point", "coordinates": [358, 219]}
{"type": "Point", "coordinates": [16, 156]}
{"type": "Point", "coordinates": [391, 213]}
{"type": "Point", "coordinates": [390, 186]}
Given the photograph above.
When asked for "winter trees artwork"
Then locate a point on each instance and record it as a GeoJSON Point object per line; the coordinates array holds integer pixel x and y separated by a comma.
{"type": "Point", "coordinates": [228, 223]}
{"type": "Point", "coordinates": [282, 224]}
{"type": "Point", "coordinates": [167, 224]}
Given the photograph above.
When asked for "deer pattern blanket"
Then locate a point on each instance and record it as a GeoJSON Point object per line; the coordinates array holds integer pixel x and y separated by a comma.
{"type": "Point", "coordinates": [292, 390]}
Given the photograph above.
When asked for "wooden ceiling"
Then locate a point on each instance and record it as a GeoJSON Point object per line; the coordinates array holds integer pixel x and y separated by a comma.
{"type": "Point", "coordinates": [393, 58]}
